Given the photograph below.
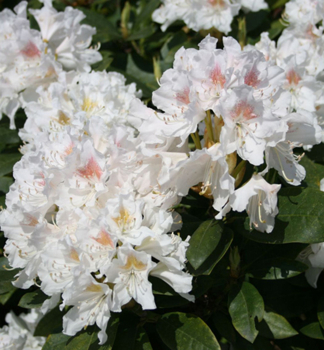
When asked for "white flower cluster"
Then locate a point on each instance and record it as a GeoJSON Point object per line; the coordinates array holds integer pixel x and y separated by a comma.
{"type": "Point", "coordinates": [299, 52]}
{"type": "Point", "coordinates": [85, 216]}
{"type": "Point", "coordinates": [204, 14]}
{"type": "Point", "coordinates": [18, 335]}
{"type": "Point", "coordinates": [248, 106]}
{"type": "Point", "coordinates": [30, 58]}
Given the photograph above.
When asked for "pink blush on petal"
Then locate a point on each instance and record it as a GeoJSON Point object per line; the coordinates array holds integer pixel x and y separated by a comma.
{"type": "Point", "coordinates": [30, 50]}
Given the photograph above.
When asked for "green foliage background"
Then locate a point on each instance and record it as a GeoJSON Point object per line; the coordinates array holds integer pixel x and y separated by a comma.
{"type": "Point", "coordinates": [250, 291]}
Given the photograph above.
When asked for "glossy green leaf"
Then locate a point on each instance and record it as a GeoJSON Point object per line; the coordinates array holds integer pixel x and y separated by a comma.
{"type": "Point", "coordinates": [300, 218]}
{"type": "Point", "coordinates": [276, 268]}
{"type": "Point", "coordinates": [208, 245]}
{"type": "Point", "coordinates": [245, 307]}
{"type": "Point", "coordinates": [180, 331]}
{"type": "Point", "coordinates": [313, 330]}
{"type": "Point", "coordinates": [7, 161]}
{"type": "Point", "coordinates": [33, 300]}
{"type": "Point", "coordinates": [274, 326]}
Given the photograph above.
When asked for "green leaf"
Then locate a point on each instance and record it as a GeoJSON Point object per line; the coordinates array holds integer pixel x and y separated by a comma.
{"type": "Point", "coordinates": [276, 28]}
{"type": "Point", "coordinates": [274, 326]}
{"type": "Point", "coordinates": [6, 296]}
{"type": "Point", "coordinates": [127, 331]}
{"type": "Point", "coordinates": [181, 331]}
{"type": "Point", "coordinates": [208, 245]}
{"type": "Point", "coordinates": [145, 15]}
{"type": "Point", "coordinates": [141, 76]}
{"type": "Point", "coordinates": [142, 341]}
{"type": "Point", "coordinates": [320, 311]}
{"type": "Point", "coordinates": [33, 300]}
{"type": "Point", "coordinates": [314, 172]}
{"type": "Point", "coordinates": [50, 323]}
{"type": "Point", "coordinates": [224, 326]}
{"type": "Point", "coordinates": [286, 299]}
{"type": "Point", "coordinates": [7, 161]}
{"type": "Point", "coordinates": [8, 136]}
{"type": "Point", "coordinates": [141, 33]}
{"type": "Point", "coordinates": [56, 342]}
{"type": "Point", "coordinates": [300, 218]}
{"type": "Point", "coordinates": [85, 340]}
{"type": "Point", "coordinates": [276, 268]}
{"type": "Point", "coordinates": [313, 330]}
{"type": "Point", "coordinates": [105, 63]}
{"type": "Point", "coordinates": [246, 304]}
{"type": "Point", "coordinates": [5, 183]}
{"type": "Point", "coordinates": [279, 3]}
{"type": "Point", "coordinates": [106, 31]}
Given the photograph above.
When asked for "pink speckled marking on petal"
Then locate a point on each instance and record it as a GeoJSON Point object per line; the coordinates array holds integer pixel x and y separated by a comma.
{"type": "Point", "coordinates": [293, 77]}
{"type": "Point", "coordinates": [90, 170]}
{"type": "Point", "coordinates": [243, 110]}
{"type": "Point", "coordinates": [183, 96]}
{"type": "Point", "coordinates": [251, 78]}
{"type": "Point", "coordinates": [30, 50]}
{"type": "Point", "coordinates": [217, 77]}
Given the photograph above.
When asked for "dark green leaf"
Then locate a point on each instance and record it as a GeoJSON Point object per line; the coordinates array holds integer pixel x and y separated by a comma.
{"type": "Point", "coordinates": [208, 245]}
{"type": "Point", "coordinates": [314, 172]}
{"type": "Point", "coordinates": [5, 183]}
{"type": "Point", "coordinates": [300, 218]}
{"type": "Point", "coordinates": [279, 3]}
{"type": "Point", "coordinates": [276, 268]}
{"type": "Point", "coordinates": [246, 304]}
{"type": "Point", "coordinates": [33, 299]}
{"type": "Point", "coordinates": [85, 340]}
{"type": "Point", "coordinates": [6, 296]}
{"type": "Point", "coordinates": [8, 136]}
{"type": "Point", "coordinates": [274, 326]}
{"type": "Point", "coordinates": [7, 161]}
{"type": "Point", "coordinates": [142, 341]}
{"type": "Point", "coordinates": [56, 342]}
{"type": "Point", "coordinates": [320, 311]}
{"type": "Point", "coordinates": [145, 15]}
{"type": "Point", "coordinates": [181, 331]}
{"type": "Point", "coordinates": [141, 33]}
{"type": "Point", "coordinates": [106, 31]}
{"type": "Point", "coordinates": [224, 326]}
{"type": "Point", "coordinates": [127, 331]}
{"type": "Point", "coordinates": [50, 323]}
{"type": "Point", "coordinates": [313, 330]}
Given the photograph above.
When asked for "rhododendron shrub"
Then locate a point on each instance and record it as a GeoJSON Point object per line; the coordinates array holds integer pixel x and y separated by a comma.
{"type": "Point", "coordinates": [161, 175]}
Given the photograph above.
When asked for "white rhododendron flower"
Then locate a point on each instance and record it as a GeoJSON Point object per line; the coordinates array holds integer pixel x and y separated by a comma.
{"type": "Point", "coordinates": [91, 215]}
{"type": "Point", "coordinates": [82, 203]}
{"type": "Point", "coordinates": [31, 58]}
{"type": "Point", "coordinates": [18, 334]}
{"type": "Point", "coordinates": [204, 14]}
